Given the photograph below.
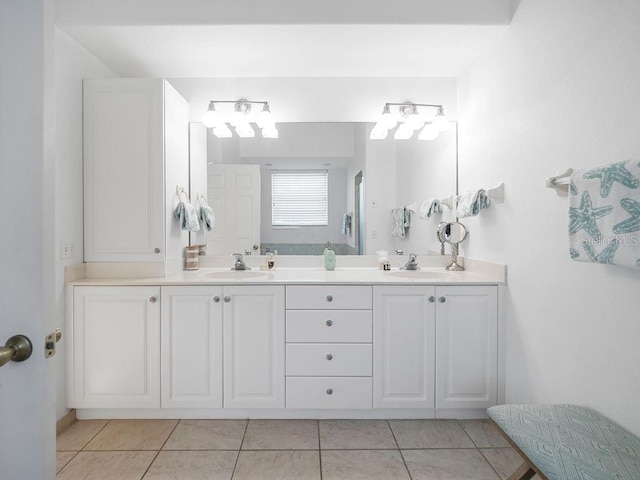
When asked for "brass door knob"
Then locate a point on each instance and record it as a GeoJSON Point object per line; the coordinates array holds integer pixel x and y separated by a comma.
{"type": "Point", "coordinates": [18, 348]}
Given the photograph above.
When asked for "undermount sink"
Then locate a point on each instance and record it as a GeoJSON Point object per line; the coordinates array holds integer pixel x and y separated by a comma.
{"type": "Point", "coordinates": [421, 274]}
{"type": "Point", "coordinates": [230, 274]}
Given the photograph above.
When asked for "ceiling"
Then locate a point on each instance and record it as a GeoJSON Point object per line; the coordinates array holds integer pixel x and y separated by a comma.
{"type": "Point", "coordinates": [198, 39]}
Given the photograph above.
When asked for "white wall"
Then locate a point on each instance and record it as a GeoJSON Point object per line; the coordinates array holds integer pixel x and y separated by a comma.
{"type": "Point", "coordinates": [72, 64]}
{"type": "Point", "coordinates": [560, 90]}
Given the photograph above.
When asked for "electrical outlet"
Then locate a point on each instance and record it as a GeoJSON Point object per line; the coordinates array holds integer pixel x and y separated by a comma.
{"type": "Point", "coordinates": [67, 249]}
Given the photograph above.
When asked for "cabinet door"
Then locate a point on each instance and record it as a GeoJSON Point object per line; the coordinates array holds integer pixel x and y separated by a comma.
{"type": "Point", "coordinates": [467, 346]}
{"type": "Point", "coordinates": [123, 170]}
{"type": "Point", "coordinates": [254, 347]}
{"type": "Point", "coordinates": [403, 347]}
{"type": "Point", "coordinates": [116, 347]}
{"type": "Point", "coordinates": [191, 347]}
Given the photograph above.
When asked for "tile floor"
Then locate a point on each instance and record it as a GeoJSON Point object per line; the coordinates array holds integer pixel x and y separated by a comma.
{"type": "Point", "coordinates": [283, 450]}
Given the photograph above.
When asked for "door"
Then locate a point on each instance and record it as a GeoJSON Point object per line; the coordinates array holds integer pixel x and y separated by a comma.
{"type": "Point", "coordinates": [27, 297]}
{"type": "Point", "coordinates": [467, 347]}
{"type": "Point", "coordinates": [254, 347]}
{"type": "Point", "coordinates": [403, 347]}
{"type": "Point", "coordinates": [191, 347]}
{"type": "Point", "coordinates": [234, 196]}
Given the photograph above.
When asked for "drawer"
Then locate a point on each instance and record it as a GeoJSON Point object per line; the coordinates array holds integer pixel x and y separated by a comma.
{"type": "Point", "coordinates": [329, 359]}
{"type": "Point", "coordinates": [316, 297]}
{"type": "Point", "coordinates": [329, 326]}
{"type": "Point", "coordinates": [329, 392]}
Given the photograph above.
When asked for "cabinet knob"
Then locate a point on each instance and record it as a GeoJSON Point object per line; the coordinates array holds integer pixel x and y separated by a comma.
{"type": "Point", "coordinates": [156, 250]}
{"type": "Point", "coordinates": [329, 298]}
{"type": "Point", "coordinates": [329, 391]}
{"type": "Point", "coordinates": [216, 299]}
{"type": "Point", "coordinates": [153, 299]}
{"type": "Point", "coordinates": [329, 323]}
{"type": "Point", "coordinates": [227, 299]}
{"type": "Point", "coordinates": [329, 356]}
{"type": "Point", "coordinates": [442, 299]}
{"type": "Point", "coordinates": [432, 299]}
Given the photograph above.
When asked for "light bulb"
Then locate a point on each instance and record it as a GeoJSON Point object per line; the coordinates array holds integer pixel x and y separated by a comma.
{"type": "Point", "coordinates": [429, 132]}
{"type": "Point", "coordinates": [211, 118]}
{"type": "Point", "coordinates": [404, 132]}
{"type": "Point", "coordinates": [244, 130]}
{"type": "Point", "coordinates": [415, 120]}
{"type": "Point", "coordinates": [387, 119]}
{"type": "Point", "coordinates": [241, 111]}
{"type": "Point", "coordinates": [222, 131]}
{"type": "Point", "coordinates": [441, 121]}
{"type": "Point", "coordinates": [379, 132]}
{"type": "Point", "coordinates": [270, 131]}
{"type": "Point", "coordinates": [265, 118]}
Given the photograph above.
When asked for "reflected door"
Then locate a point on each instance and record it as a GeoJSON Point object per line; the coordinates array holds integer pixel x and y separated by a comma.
{"type": "Point", "coordinates": [358, 214]}
{"type": "Point", "coordinates": [234, 196]}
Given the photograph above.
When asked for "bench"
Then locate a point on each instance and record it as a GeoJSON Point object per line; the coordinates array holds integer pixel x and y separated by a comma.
{"type": "Point", "coordinates": [567, 442]}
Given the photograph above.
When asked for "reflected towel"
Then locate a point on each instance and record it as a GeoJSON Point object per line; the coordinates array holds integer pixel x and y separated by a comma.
{"type": "Point", "coordinates": [188, 217]}
{"type": "Point", "coordinates": [430, 208]}
{"type": "Point", "coordinates": [604, 214]}
{"type": "Point", "coordinates": [346, 224]}
{"type": "Point", "coordinates": [400, 219]}
{"type": "Point", "coordinates": [470, 203]}
{"type": "Point", "coordinates": [206, 215]}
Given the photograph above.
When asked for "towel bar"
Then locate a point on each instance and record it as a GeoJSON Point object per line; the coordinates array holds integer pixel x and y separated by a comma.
{"type": "Point", "coordinates": [560, 182]}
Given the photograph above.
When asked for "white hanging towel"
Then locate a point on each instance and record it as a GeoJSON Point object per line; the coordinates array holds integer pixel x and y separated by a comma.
{"type": "Point", "coordinates": [604, 214]}
{"type": "Point", "coordinates": [400, 218]}
{"type": "Point", "coordinates": [206, 215]}
{"type": "Point", "coordinates": [470, 203]}
{"type": "Point", "coordinates": [430, 207]}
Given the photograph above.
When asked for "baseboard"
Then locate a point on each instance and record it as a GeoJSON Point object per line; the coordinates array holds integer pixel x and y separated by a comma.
{"type": "Point", "coordinates": [65, 421]}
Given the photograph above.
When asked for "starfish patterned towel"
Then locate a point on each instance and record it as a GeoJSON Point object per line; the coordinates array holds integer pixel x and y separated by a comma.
{"type": "Point", "coordinates": [604, 214]}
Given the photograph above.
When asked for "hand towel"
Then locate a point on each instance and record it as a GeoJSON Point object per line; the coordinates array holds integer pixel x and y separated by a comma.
{"type": "Point", "coordinates": [470, 203]}
{"type": "Point", "coordinates": [188, 217]}
{"type": "Point", "coordinates": [430, 207]}
{"type": "Point", "coordinates": [206, 215]}
{"type": "Point", "coordinates": [400, 219]}
{"type": "Point", "coordinates": [604, 214]}
{"type": "Point", "coordinates": [346, 224]}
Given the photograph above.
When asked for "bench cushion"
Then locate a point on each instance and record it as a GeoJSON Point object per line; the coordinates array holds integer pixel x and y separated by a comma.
{"type": "Point", "coordinates": [570, 442]}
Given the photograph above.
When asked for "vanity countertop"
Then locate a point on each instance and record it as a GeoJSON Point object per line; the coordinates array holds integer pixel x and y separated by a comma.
{"type": "Point", "coordinates": [349, 275]}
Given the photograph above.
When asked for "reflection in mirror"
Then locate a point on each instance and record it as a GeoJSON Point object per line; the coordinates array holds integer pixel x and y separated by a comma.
{"type": "Point", "coordinates": [453, 233]}
{"type": "Point", "coordinates": [365, 180]}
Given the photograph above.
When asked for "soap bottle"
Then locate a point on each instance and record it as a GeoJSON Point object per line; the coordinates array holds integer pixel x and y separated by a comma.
{"type": "Point", "coordinates": [329, 257]}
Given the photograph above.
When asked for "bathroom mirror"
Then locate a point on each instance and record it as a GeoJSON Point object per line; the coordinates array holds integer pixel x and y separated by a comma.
{"type": "Point", "coordinates": [453, 232]}
{"type": "Point", "coordinates": [366, 179]}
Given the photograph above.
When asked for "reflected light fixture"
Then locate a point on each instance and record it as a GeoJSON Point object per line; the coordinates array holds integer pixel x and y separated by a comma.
{"type": "Point", "coordinates": [410, 119]}
{"type": "Point", "coordinates": [240, 118]}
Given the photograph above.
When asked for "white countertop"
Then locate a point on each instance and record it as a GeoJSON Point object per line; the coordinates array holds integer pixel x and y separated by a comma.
{"type": "Point", "coordinates": [307, 275]}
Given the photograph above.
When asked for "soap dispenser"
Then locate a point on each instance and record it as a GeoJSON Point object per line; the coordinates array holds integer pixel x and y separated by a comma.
{"type": "Point", "coordinates": [329, 257]}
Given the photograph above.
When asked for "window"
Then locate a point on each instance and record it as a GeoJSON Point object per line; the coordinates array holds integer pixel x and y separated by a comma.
{"type": "Point", "coordinates": [299, 198]}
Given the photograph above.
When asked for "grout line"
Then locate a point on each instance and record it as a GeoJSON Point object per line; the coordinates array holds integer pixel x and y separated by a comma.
{"type": "Point", "coordinates": [319, 449]}
{"type": "Point", "coordinates": [161, 447]}
{"type": "Point", "coordinates": [235, 465]}
{"type": "Point", "coordinates": [490, 464]}
{"type": "Point", "coordinates": [66, 464]}
{"type": "Point", "coordinates": [399, 450]}
{"type": "Point", "coordinates": [466, 433]}
{"type": "Point", "coordinates": [92, 438]}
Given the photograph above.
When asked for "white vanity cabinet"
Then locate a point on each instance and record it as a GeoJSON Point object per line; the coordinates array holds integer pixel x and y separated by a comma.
{"type": "Point", "coordinates": [136, 144]}
{"type": "Point", "coordinates": [115, 336]}
{"type": "Point", "coordinates": [254, 334]}
{"type": "Point", "coordinates": [329, 346]}
{"type": "Point", "coordinates": [191, 346]}
{"type": "Point", "coordinates": [435, 347]}
{"type": "Point", "coordinates": [466, 347]}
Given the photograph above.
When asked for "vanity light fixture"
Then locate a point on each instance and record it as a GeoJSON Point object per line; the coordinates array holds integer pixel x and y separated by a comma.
{"type": "Point", "coordinates": [410, 120]}
{"type": "Point", "coordinates": [240, 118]}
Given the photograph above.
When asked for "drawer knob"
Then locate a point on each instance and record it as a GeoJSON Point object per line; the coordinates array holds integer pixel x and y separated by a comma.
{"type": "Point", "coordinates": [216, 299]}
{"type": "Point", "coordinates": [329, 323]}
{"type": "Point", "coordinates": [442, 299]}
{"type": "Point", "coordinates": [153, 299]}
{"type": "Point", "coordinates": [329, 356]}
{"type": "Point", "coordinates": [329, 391]}
{"type": "Point", "coordinates": [329, 298]}
{"type": "Point", "coordinates": [432, 299]}
{"type": "Point", "coordinates": [227, 299]}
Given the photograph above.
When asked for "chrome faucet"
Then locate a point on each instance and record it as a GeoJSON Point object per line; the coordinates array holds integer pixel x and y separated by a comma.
{"type": "Point", "coordinates": [240, 265]}
{"type": "Point", "coordinates": [412, 264]}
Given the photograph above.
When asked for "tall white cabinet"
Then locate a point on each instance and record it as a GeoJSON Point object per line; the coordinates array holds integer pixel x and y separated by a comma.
{"type": "Point", "coordinates": [136, 146]}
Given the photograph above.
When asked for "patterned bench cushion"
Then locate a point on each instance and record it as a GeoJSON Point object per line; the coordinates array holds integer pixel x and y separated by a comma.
{"type": "Point", "coordinates": [567, 442]}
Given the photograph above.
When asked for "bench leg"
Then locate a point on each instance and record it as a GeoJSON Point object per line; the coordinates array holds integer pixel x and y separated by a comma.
{"type": "Point", "coordinates": [524, 472]}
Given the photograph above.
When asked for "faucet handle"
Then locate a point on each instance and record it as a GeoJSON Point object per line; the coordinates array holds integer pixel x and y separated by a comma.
{"type": "Point", "coordinates": [238, 256]}
{"type": "Point", "coordinates": [412, 256]}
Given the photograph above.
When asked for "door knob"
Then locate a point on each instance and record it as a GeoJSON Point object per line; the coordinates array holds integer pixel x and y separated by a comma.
{"type": "Point", "coordinates": [18, 348]}
{"type": "Point", "coordinates": [442, 299]}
